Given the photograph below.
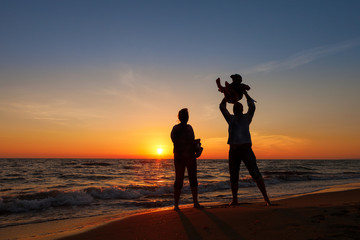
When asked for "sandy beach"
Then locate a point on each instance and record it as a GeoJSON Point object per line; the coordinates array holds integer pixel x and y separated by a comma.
{"type": "Point", "coordinates": [324, 215]}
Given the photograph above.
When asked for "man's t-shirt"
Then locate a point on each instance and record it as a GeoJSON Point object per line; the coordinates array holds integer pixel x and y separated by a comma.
{"type": "Point", "coordinates": [239, 132]}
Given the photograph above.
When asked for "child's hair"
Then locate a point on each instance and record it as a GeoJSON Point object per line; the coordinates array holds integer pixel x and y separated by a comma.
{"type": "Point", "coordinates": [236, 77]}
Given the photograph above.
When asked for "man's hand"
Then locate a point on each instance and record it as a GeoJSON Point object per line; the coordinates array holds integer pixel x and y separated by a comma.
{"type": "Point", "coordinates": [248, 98]}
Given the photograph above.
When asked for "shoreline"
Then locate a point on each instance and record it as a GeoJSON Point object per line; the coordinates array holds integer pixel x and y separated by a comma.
{"type": "Point", "coordinates": [75, 228]}
{"type": "Point", "coordinates": [332, 213]}
{"type": "Point", "coordinates": [72, 227]}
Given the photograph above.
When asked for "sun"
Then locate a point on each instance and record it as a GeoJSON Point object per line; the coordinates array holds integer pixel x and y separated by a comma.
{"type": "Point", "coordinates": [160, 151]}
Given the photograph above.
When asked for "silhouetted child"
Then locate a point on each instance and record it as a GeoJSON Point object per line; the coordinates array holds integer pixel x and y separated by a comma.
{"type": "Point", "coordinates": [234, 91]}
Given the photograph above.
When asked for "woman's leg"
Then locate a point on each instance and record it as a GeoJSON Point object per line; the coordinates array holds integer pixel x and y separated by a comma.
{"type": "Point", "coordinates": [177, 193]}
{"type": "Point", "coordinates": [192, 173]}
{"type": "Point", "coordinates": [179, 180]}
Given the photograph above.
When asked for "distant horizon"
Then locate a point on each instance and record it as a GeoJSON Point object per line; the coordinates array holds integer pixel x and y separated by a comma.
{"type": "Point", "coordinates": [80, 158]}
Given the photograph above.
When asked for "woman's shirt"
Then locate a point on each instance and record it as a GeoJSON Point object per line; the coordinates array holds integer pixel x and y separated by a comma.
{"type": "Point", "coordinates": [183, 137]}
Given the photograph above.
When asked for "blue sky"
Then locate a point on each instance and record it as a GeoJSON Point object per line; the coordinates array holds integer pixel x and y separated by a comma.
{"type": "Point", "coordinates": [67, 64]}
{"type": "Point", "coordinates": [156, 32]}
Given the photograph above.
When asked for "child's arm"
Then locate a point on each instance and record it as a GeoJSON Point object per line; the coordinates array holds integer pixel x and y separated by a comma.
{"type": "Point", "coordinates": [244, 87]}
{"type": "Point", "coordinates": [220, 88]}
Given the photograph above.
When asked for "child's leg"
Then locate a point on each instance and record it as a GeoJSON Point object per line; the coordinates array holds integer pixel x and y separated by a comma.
{"type": "Point", "coordinates": [221, 88]}
{"type": "Point", "coordinates": [231, 95]}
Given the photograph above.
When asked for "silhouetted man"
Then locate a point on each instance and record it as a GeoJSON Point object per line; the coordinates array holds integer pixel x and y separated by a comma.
{"type": "Point", "coordinates": [240, 146]}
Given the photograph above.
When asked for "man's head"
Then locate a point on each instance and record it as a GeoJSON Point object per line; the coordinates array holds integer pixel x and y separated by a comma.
{"type": "Point", "coordinates": [183, 116]}
{"type": "Point", "coordinates": [238, 109]}
{"type": "Point", "coordinates": [236, 78]}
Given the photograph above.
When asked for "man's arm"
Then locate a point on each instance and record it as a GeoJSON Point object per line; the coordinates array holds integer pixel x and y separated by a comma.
{"type": "Point", "coordinates": [224, 110]}
{"type": "Point", "coordinates": [251, 105]}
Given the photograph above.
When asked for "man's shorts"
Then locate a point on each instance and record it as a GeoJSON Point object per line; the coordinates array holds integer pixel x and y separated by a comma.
{"type": "Point", "coordinates": [243, 153]}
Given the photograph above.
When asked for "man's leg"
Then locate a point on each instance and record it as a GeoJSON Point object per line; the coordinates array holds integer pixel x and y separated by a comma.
{"type": "Point", "coordinates": [234, 168]}
{"type": "Point", "coordinates": [250, 162]}
{"type": "Point", "coordinates": [234, 190]}
{"type": "Point", "coordinates": [261, 185]}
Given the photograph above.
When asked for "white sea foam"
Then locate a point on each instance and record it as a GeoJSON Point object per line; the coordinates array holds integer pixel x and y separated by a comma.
{"type": "Point", "coordinates": [24, 204]}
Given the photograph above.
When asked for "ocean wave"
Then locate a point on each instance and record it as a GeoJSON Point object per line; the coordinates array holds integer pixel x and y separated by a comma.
{"type": "Point", "coordinates": [11, 179]}
{"type": "Point", "coordinates": [44, 200]}
{"type": "Point", "coordinates": [49, 199]}
{"type": "Point", "coordinates": [88, 177]}
{"type": "Point", "coordinates": [214, 186]}
{"type": "Point", "coordinates": [40, 201]}
{"type": "Point", "coordinates": [96, 164]}
{"type": "Point", "coordinates": [112, 193]}
{"type": "Point", "coordinates": [5, 189]}
{"type": "Point", "coordinates": [67, 187]}
{"type": "Point", "coordinates": [306, 175]}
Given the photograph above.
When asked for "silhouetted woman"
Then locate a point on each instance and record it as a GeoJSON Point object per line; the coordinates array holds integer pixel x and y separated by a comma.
{"type": "Point", "coordinates": [183, 137]}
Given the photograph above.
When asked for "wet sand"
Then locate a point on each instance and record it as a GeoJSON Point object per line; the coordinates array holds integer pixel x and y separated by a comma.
{"type": "Point", "coordinates": [324, 215]}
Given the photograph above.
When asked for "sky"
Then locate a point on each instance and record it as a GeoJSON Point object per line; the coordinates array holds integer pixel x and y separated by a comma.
{"type": "Point", "coordinates": [106, 79]}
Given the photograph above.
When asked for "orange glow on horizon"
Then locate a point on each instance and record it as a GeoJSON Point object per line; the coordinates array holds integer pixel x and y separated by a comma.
{"type": "Point", "coordinates": [156, 144]}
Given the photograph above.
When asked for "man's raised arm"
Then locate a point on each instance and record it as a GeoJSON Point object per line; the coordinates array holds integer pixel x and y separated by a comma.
{"type": "Point", "coordinates": [224, 110]}
{"type": "Point", "coordinates": [250, 103]}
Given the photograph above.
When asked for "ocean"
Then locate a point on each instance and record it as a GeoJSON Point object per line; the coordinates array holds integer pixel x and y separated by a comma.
{"type": "Point", "coordinates": [43, 190]}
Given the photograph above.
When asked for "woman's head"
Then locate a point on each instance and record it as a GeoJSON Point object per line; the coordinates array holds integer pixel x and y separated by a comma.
{"type": "Point", "coordinates": [183, 116]}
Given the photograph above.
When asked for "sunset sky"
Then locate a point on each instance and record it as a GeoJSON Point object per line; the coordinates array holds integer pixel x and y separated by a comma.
{"type": "Point", "coordinates": [106, 79]}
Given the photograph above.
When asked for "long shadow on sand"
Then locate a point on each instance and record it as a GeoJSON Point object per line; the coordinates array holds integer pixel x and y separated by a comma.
{"type": "Point", "coordinates": [193, 234]}
{"type": "Point", "coordinates": [190, 230]}
{"type": "Point", "coordinates": [226, 229]}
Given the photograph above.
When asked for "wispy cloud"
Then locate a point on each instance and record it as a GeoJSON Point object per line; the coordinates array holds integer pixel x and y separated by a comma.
{"type": "Point", "coordinates": [210, 111]}
{"type": "Point", "coordinates": [132, 86]}
{"type": "Point", "coordinates": [278, 144]}
{"type": "Point", "coordinates": [305, 57]}
{"type": "Point", "coordinates": [276, 140]}
{"type": "Point", "coordinates": [216, 140]}
{"type": "Point", "coordinates": [265, 142]}
{"type": "Point", "coordinates": [59, 112]}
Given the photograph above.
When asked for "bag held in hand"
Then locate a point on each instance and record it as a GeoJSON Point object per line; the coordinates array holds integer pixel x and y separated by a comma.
{"type": "Point", "coordinates": [198, 148]}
